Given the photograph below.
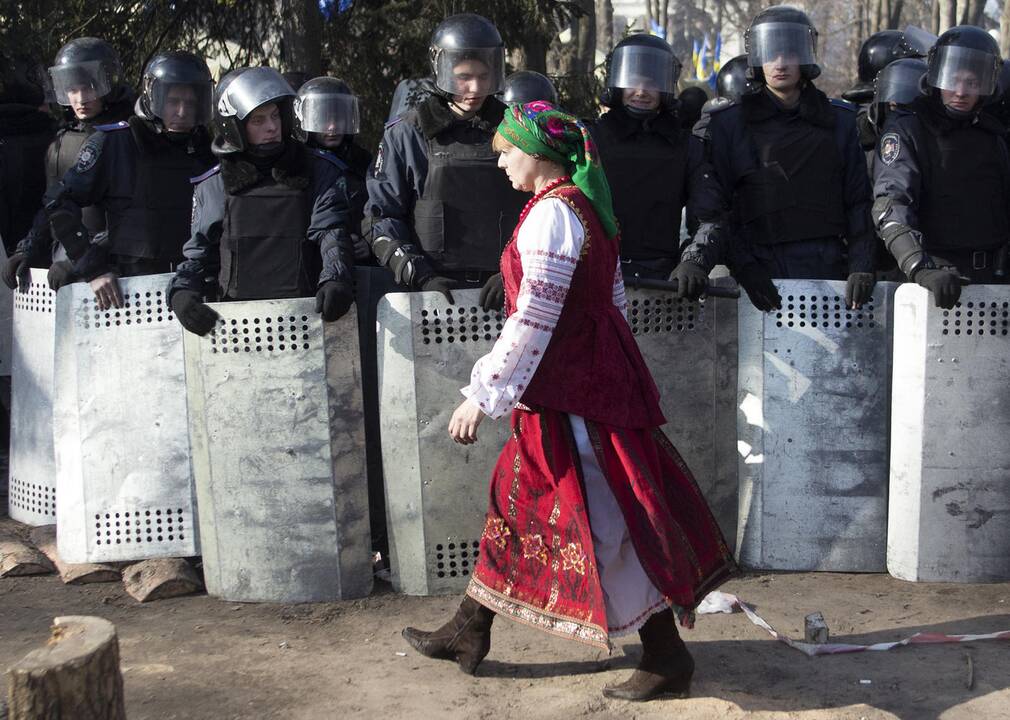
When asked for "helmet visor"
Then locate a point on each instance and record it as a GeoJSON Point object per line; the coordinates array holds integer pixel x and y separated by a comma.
{"type": "Point", "coordinates": [328, 113]}
{"type": "Point", "coordinates": [80, 82]}
{"type": "Point", "coordinates": [899, 82]}
{"type": "Point", "coordinates": [792, 43]}
{"type": "Point", "coordinates": [965, 71]}
{"type": "Point", "coordinates": [643, 68]}
{"type": "Point", "coordinates": [473, 72]}
{"type": "Point", "coordinates": [181, 106]}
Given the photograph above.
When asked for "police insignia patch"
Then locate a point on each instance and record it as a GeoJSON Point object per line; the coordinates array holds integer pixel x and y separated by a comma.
{"type": "Point", "coordinates": [890, 148]}
{"type": "Point", "coordinates": [88, 156]}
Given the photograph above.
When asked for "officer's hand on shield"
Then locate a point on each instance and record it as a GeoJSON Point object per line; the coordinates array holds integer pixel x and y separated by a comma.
{"type": "Point", "coordinates": [859, 289]}
{"type": "Point", "coordinates": [464, 422]}
{"type": "Point", "coordinates": [16, 273]}
{"type": "Point", "coordinates": [60, 273]}
{"type": "Point", "coordinates": [333, 300]}
{"type": "Point", "coordinates": [492, 295]}
{"type": "Point", "coordinates": [362, 250]}
{"type": "Point", "coordinates": [193, 313]}
{"type": "Point", "coordinates": [691, 280]}
{"type": "Point", "coordinates": [106, 289]}
{"type": "Point", "coordinates": [759, 287]}
{"type": "Point", "coordinates": [439, 284]}
{"type": "Point", "coordinates": [944, 283]}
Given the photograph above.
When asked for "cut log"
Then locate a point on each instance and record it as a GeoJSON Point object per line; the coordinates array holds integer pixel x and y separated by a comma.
{"type": "Point", "coordinates": [160, 578]}
{"type": "Point", "coordinates": [44, 538]}
{"type": "Point", "coordinates": [75, 676]}
{"type": "Point", "coordinates": [17, 558]}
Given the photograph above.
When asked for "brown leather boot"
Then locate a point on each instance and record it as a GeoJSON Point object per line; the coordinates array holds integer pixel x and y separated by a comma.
{"type": "Point", "coordinates": [666, 666]}
{"type": "Point", "coordinates": [466, 638]}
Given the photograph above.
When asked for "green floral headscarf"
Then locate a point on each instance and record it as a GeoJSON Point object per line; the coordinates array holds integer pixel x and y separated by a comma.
{"type": "Point", "coordinates": [539, 128]}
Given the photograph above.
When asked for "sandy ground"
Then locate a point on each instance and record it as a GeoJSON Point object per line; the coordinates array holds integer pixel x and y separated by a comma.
{"type": "Point", "coordinates": [197, 657]}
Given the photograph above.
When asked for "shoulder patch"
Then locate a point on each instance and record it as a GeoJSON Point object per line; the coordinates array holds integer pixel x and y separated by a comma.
{"type": "Point", "coordinates": [200, 178]}
{"type": "Point", "coordinates": [110, 127]}
{"type": "Point", "coordinates": [890, 148]}
{"type": "Point", "coordinates": [329, 157]}
{"type": "Point", "coordinates": [89, 154]}
{"type": "Point", "coordinates": [844, 105]}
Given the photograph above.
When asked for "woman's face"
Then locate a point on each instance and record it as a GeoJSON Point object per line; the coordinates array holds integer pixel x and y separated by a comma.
{"type": "Point", "coordinates": [522, 169]}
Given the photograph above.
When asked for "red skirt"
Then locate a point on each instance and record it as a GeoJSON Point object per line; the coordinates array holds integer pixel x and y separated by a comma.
{"type": "Point", "coordinates": [537, 564]}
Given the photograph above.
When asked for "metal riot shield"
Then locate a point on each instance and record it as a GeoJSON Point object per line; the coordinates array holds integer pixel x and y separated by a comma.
{"type": "Point", "coordinates": [32, 462]}
{"type": "Point", "coordinates": [950, 420]}
{"type": "Point", "coordinates": [814, 384]}
{"type": "Point", "coordinates": [436, 491]}
{"type": "Point", "coordinates": [6, 329]}
{"type": "Point", "coordinates": [125, 488]}
{"type": "Point", "coordinates": [277, 433]}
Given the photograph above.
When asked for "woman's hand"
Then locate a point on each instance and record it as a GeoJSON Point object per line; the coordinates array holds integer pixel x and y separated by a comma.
{"type": "Point", "coordinates": [464, 421]}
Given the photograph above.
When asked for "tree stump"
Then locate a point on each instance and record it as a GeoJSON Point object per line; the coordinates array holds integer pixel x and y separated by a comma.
{"type": "Point", "coordinates": [17, 559]}
{"type": "Point", "coordinates": [74, 677]}
{"type": "Point", "coordinates": [44, 538]}
{"type": "Point", "coordinates": [160, 578]}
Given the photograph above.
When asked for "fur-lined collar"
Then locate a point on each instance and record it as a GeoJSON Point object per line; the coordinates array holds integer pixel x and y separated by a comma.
{"type": "Point", "coordinates": [291, 168]}
{"type": "Point", "coordinates": [434, 115]}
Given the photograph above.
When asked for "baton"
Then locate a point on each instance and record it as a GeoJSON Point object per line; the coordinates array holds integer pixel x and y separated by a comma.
{"type": "Point", "coordinates": [640, 283]}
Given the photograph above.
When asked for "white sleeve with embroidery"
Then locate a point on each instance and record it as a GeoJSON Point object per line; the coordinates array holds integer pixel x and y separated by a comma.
{"type": "Point", "coordinates": [549, 243]}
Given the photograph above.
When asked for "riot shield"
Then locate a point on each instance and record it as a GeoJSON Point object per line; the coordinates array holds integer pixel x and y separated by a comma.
{"type": "Point", "coordinates": [814, 399]}
{"type": "Point", "coordinates": [277, 434]}
{"type": "Point", "coordinates": [6, 329]}
{"type": "Point", "coordinates": [32, 461]}
{"type": "Point", "coordinates": [950, 420]}
{"type": "Point", "coordinates": [125, 489]}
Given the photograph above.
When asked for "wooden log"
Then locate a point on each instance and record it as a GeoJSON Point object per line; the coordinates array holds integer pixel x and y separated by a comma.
{"type": "Point", "coordinates": [75, 676]}
{"type": "Point", "coordinates": [160, 578]}
{"type": "Point", "coordinates": [17, 558]}
{"type": "Point", "coordinates": [44, 538]}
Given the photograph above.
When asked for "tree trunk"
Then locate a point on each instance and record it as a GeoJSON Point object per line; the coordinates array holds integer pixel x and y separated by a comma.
{"type": "Point", "coordinates": [74, 677]}
{"type": "Point", "coordinates": [44, 538]}
{"type": "Point", "coordinates": [948, 14]}
{"type": "Point", "coordinates": [605, 25]}
{"type": "Point", "coordinates": [533, 53]}
{"type": "Point", "coordinates": [586, 48]}
{"type": "Point", "coordinates": [1004, 29]}
{"type": "Point", "coordinates": [301, 33]}
{"type": "Point", "coordinates": [970, 12]}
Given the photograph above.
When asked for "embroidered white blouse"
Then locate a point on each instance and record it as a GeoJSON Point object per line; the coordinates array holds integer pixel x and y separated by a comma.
{"type": "Point", "coordinates": [549, 243]}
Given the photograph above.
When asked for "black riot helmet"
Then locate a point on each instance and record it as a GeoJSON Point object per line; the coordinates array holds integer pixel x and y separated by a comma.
{"type": "Point", "coordinates": [732, 82]}
{"type": "Point", "coordinates": [900, 82]}
{"type": "Point", "coordinates": [239, 93]}
{"type": "Point", "coordinates": [176, 89]}
{"type": "Point", "coordinates": [326, 105]}
{"type": "Point", "coordinates": [779, 31]}
{"type": "Point", "coordinates": [85, 65]}
{"type": "Point", "coordinates": [461, 38]}
{"type": "Point", "coordinates": [642, 61]}
{"type": "Point", "coordinates": [526, 86]}
{"type": "Point", "coordinates": [877, 52]}
{"type": "Point", "coordinates": [965, 58]}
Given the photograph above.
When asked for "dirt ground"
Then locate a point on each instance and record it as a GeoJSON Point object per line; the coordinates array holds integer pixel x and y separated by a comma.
{"type": "Point", "coordinates": [197, 657]}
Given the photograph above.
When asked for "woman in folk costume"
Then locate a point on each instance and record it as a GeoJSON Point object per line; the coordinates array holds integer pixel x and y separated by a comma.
{"type": "Point", "coordinates": [596, 527]}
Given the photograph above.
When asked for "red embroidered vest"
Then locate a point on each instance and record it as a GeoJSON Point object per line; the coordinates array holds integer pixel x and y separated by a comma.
{"type": "Point", "coordinates": [592, 366]}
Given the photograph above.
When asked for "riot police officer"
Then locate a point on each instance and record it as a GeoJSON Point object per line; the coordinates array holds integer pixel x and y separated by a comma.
{"type": "Point", "coordinates": [896, 87]}
{"type": "Point", "coordinates": [272, 220]}
{"type": "Point", "coordinates": [942, 186]}
{"type": "Point", "coordinates": [653, 166]}
{"type": "Point", "coordinates": [139, 173]}
{"type": "Point", "coordinates": [86, 80]}
{"type": "Point", "coordinates": [441, 210]}
{"type": "Point", "coordinates": [526, 86]}
{"type": "Point", "coordinates": [789, 164]}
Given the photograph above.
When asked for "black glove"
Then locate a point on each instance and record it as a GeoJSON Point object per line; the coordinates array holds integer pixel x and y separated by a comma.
{"type": "Point", "coordinates": [61, 273]}
{"type": "Point", "coordinates": [492, 295]}
{"type": "Point", "coordinates": [16, 272]}
{"type": "Point", "coordinates": [691, 280]}
{"type": "Point", "coordinates": [439, 284]}
{"type": "Point", "coordinates": [193, 313]}
{"type": "Point", "coordinates": [944, 283]}
{"type": "Point", "coordinates": [333, 300]}
{"type": "Point", "coordinates": [859, 289]}
{"type": "Point", "coordinates": [758, 284]}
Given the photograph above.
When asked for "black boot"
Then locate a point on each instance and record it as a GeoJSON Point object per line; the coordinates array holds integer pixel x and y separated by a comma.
{"type": "Point", "coordinates": [666, 666]}
{"type": "Point", "coordinates": [466, 638]}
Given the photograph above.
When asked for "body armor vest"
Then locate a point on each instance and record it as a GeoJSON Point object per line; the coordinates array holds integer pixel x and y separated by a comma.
{"type": "Point", "coordinates": [263, 243]}
{"type": "Point", "coordinates": [798, 189]}
{"type": "Point", "coordinates": [646, 172]}
{"type": "Point", "coordinates": [62, 156]}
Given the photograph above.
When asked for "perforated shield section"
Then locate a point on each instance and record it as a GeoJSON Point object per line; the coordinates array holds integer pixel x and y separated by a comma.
{"type": "Point", "coordinates": [32, 460]}
{"type": "Point", "coordinates": [950, 421]}
{"type": "Point", "coordinates": [278, 451]}
{"type": "Point", "coordinates": [436, 491]}
{"type": "Point", "coordinates": [814, 399]}
{"type": "Point", "coordinates": [125, 489]}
